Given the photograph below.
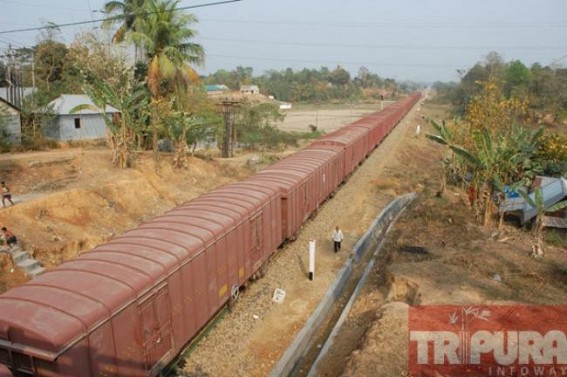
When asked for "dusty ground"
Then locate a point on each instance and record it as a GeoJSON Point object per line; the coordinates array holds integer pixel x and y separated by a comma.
{"type": "Point", "coordinates": [70, 200]}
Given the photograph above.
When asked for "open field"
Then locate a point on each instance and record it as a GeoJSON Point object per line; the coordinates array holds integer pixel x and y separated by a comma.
{"type": "Point", "coordinates": [325, 118]}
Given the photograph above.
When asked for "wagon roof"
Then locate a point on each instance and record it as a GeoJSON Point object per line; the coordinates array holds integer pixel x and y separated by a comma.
{"type": "Point", "coordinates": [342, 136]}
{"type": "Point", "coordinates": [52, 310]}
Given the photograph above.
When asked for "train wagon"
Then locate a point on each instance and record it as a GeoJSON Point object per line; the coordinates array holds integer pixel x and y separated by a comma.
{"type": "Point", "coordinates": [128, 307]}
{"type": "Point", "coordinates": [354, 142]}
{"type": "Point", "coordinates": [305, 180]}
{"type": "Point", "coordinates": [376, 130]}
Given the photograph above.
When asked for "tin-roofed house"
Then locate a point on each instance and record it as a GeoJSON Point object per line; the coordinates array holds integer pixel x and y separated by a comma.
{"type": "Point", "coordinates": [10, 121]}
{"type": "Point", "coordinates": [86, 124]}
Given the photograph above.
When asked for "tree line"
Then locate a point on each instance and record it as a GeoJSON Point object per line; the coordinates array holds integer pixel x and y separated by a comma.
{"type": "Point", "coordinates": [161, 96]}
{"type": "Point", "coordinates": [498, 141]}
{"type": "Point", "coordinates": [542, 88]}
{"type": "Point", "coordinates": [315, 85]}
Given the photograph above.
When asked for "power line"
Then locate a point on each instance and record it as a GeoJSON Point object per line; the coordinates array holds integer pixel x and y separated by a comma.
{"type": "Point", "coordinates": [382, 25]}
{"type": "Point", "coordinates": [339, 62]}
{"type": "Point", "coordinates": [557, 60]}
{"type": "Point", "coordinates": [118, 17]}
{"type": "Point", "coordinates": [372, 46]}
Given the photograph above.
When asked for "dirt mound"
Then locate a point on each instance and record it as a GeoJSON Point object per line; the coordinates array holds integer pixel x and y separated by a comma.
{"type": "Point", "coordinates": [69, 201]}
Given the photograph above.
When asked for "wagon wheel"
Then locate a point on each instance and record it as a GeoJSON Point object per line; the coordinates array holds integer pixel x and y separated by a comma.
{"type": "Point", "coordinates": [234, 292]}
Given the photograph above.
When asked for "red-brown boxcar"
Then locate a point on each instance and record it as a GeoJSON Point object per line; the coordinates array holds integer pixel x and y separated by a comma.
{"type": "Point", "coordinates": [128, 307]}
{"type": "Point", "coordinates": [374, 123]}
{"type": "Point", "coordinates": [305, 179]}
{"type": "Point", "coordinates": [354, 142]}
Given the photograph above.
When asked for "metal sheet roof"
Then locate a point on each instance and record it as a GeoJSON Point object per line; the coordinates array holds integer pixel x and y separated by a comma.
{"type": "Point", "coordinates": [342, 136]}
{"type": "Point", "coordinates": [553, 190]}
{"type": "Point", "coordinates": [66, 102]}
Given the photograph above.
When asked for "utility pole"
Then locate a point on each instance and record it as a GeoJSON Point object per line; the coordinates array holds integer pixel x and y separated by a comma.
{"type": "Point", "coordinates": [15, 91]}
{"type": "Point", "coordinates": [228, 107]}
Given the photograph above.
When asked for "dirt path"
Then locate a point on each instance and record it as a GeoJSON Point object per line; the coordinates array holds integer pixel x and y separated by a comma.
{"type": "Point", "coordinates": [250, 340]}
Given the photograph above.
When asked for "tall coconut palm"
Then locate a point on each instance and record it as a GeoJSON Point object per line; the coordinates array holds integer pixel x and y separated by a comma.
{"type": "Point", "coordinates": [125, 13]}
{"type": "Point", "coordinates": [165, 33]}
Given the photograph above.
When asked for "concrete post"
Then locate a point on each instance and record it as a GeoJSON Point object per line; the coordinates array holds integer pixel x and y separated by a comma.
{"type": "Point", "coordinates": [311, 259]}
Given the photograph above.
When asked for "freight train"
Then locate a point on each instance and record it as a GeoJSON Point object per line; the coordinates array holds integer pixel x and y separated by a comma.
{"type": "Point", "coordinates": [130, 306]}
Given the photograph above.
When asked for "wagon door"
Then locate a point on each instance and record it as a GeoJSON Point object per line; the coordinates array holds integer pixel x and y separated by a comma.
{"type": "Point", "coordinates": [156, 330]}
{"type": "Point", "coordinates": [256, 240]}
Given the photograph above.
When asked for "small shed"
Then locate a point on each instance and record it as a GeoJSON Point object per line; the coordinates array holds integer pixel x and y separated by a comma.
{"type": "Point", "coordinates": [87, 124]}
{"type": "Point", "coordinates": [249, 89]}
{"type": "Point", "coordinates": [10, 120]}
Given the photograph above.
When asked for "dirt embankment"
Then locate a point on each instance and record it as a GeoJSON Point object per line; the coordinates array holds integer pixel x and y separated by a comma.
{"type": "Point", "coordinates": [68, 201]}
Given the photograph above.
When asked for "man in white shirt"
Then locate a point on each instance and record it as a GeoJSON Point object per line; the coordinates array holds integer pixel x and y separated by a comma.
{"type": "Point", "coordinates": [337, 238]}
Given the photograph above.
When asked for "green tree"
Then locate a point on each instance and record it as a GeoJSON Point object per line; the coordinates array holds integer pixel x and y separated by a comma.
{"type": "Point", "coordinates": [256, 128]}
{"type": "Point", "coordinates": [4, 136]}
{"type": "Point", "coordinates": [518, 77]}
{"type": "Point", "coordinates": [492, 161]}
{"type": "Point", "coordinates": [49, 63]}
{"type": "Point", "coordinates": [89, 55]}
{"type": "Point", "coordinates": [340, 76]}
{"type": "Point", "coordinates": [2, 74]}
{"type": "Point", "coordinates": [547, 93]}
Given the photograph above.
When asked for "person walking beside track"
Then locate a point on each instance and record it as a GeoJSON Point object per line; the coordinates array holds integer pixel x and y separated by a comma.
{"type": "Point", "coordinates": [337, 238]}
{"type": "Point", "coordinates": [5, 194]}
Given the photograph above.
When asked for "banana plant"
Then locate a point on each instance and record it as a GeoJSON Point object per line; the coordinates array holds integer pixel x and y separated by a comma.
{"type": "Point", "coordinates": [449, 165]}
{"type": "Point", "coordinates": [539, 204]}
{"type": "Point", "coordinates": [130, 102]}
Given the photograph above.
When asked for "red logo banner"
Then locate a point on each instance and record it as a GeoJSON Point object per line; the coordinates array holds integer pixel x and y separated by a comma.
{"type": "Point", "coordinates": [498, 341]}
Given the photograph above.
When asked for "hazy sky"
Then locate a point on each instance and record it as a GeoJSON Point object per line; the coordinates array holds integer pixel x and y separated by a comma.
{"type": "Point", "coordinates": [420, 40]}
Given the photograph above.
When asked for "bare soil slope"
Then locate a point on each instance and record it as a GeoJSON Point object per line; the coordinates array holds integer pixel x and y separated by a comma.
{"type": "Point", "coordinates": [68, 201]}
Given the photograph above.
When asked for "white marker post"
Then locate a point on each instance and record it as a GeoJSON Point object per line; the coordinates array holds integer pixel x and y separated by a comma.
{"type": "Point", "coordinates": [311, 259]}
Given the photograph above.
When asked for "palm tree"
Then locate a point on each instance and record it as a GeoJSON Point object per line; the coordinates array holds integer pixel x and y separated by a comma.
{"type": "Point", "coordinates": [165, 34]}
{"type": "Point", "coordinates": [125, 12]}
